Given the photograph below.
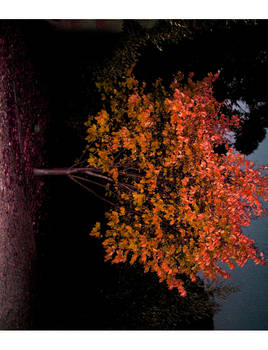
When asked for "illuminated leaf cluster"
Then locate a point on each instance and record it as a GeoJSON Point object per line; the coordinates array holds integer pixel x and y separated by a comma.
{"type": "Point", "coordinates": [179, 206]}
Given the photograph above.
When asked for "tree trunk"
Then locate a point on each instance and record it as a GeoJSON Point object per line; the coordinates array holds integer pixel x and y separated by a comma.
{"type": "Point", "coordinates": [71, 171]}
{"type": "Point", "coordinates": [17, 241]}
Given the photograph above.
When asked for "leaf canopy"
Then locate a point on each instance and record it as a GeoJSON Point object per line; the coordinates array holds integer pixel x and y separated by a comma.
{"type": "Point", "coordinates": [179, 206]}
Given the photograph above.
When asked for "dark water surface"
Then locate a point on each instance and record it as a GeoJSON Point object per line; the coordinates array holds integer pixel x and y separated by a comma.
{"type": "Point", "coordinates": [248, 308]}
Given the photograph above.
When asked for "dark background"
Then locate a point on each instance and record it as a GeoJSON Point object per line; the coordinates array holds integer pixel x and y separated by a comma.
{"type": "Point", "coordinates": [75, 289]}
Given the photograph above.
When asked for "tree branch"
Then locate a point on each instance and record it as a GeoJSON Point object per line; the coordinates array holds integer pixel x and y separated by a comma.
{"type": "Point", "coordinates": [91, 191]}
{"type": "Point", "coordinates": [91, 181]}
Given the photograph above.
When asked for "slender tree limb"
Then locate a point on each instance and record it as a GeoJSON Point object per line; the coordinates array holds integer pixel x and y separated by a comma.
{"type": "Point", "coordinates": [130, 175]}
{"type": "Point", "coordinates": [91, 191]}
{"type": "Point", "coordinates": [128, 187]}
{"type": "Point", "coordinates": [90, 181]}
{"type": "Point", "coordinates": [98, 175]}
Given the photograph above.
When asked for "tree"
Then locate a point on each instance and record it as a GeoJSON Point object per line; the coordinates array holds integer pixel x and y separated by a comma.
{"type": "Point", "coordinates": [177, 205]}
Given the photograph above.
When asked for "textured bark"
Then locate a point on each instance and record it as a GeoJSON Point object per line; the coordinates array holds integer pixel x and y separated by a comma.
{"type": "Point", "coordinates": [69, 171]}
{"type": "Point", "coordinates": [56, 171]}
{"type": "Point", "coordinates": [17, 246]}
{"type": "Point", "coordinates": [18, 109]}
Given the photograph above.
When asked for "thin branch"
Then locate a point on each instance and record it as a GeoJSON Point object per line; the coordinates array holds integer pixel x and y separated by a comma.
{"type": "Point", "coordinates": [80, 162]}
{"type": "Point", "coordinates": [91, 181]}
{"type": "Point", "coordinates": [130, 175]}
{"type": "Point", "coordinates": [128, 167]}
{"type": "Point", "coordinates": [98, 175]}
{"type": "Point", "coordinates": [96, 183]}
{"type": "Point", "coordinates": [127, 186]}
{"type": "Point", "coordinates": [119, 154]}
{"type": "Point", "coordinates": [91, 191]}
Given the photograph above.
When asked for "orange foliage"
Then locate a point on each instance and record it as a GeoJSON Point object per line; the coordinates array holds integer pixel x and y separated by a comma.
{"type": "Point", "coordinates": [180, 206]}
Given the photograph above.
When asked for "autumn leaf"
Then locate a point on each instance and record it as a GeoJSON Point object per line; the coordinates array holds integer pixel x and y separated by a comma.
{"type": "Point", "coordinates": [178, 206]}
